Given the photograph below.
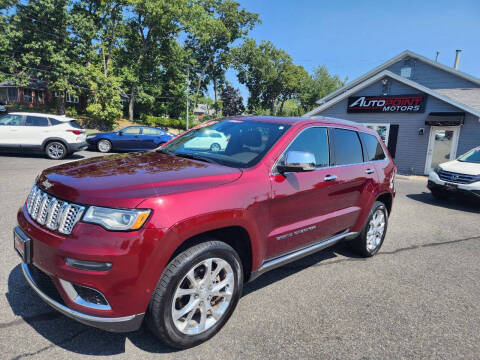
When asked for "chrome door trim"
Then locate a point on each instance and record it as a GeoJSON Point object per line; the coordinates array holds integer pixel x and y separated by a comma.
{"type": "Point", "coordinates": [300, 253]}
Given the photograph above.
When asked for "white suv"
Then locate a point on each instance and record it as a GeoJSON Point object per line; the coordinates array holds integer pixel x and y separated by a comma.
{"type": "Point", "coordinates": [56, 136]}
{"type": "Point", "coordinates": [458, 176]}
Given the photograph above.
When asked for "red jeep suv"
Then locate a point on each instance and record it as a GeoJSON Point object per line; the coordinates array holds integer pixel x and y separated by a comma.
{"type": "Point", "coordinates": [171, 235]}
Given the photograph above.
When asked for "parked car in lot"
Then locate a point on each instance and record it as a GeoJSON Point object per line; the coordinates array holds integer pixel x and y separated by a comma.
{"type": "Point", "coordinates": [131, 138]}
{"type": "Point", "coordinates": [3, 108]}
{"type": "Point", "coordinates": [56, 136]}
{"type": "Point", "coordinates": [207, 140]}
{"type": "Point", "coordinates": [171, 235]}
{"type": "Point", "coordinates": [460, 176]}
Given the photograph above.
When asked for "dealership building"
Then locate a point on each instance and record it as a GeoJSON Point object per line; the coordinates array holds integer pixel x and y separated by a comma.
{"type": "Point", "coordinates": [426, 113]}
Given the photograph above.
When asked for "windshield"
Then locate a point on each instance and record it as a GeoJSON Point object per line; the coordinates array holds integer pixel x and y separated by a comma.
{"type": "Point", "coordinates": [234, 143]}
{"type": "Point", "coordinates": [472, 156]}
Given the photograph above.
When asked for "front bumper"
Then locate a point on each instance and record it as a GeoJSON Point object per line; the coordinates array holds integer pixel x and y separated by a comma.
{"type": "Point", "coordinates": [127, 286]}
{"type": "Point", "coordinates": [113, 324]}
{"type": "Point", "coordinates": [469, 190]}
{"type": "Point", "coordinates": [74, 147]}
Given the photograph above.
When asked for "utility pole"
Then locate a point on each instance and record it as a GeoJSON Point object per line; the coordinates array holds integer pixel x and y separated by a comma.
{"type": "Point", "coordinates": [188, 90]}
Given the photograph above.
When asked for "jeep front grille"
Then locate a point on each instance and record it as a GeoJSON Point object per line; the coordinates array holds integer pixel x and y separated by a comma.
{"type": "Point", "coordinates": [54, 214]}
{"type": "Point", "coordinates": [457, 177]}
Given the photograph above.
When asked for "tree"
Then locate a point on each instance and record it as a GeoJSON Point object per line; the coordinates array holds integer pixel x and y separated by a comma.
{"type": "Point", "coordinates": [232, 102]}
{"type": "Point", "coordinates": [268, 73]}
{"type": "Point", "coordinates": [320, 84]}
{"type": "Point", "coordinates": [43, 47]}
{"type": "Point", "coordinates": [211, 46]}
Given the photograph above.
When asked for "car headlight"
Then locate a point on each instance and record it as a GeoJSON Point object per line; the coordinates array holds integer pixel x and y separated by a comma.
{"type": "Point", "coordinates": [116, 219]}
{"type": "Point", "coordinates": [90, 136]}
{"type": "Point", "coordinates": [437, 169]}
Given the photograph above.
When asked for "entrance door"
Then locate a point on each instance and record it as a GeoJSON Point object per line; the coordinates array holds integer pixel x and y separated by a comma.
{"type": "Point", "coordinates": [442, 146]}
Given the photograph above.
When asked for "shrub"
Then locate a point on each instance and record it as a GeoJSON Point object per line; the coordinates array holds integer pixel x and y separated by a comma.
{"type": "Point", "coordinates": [158, 121]}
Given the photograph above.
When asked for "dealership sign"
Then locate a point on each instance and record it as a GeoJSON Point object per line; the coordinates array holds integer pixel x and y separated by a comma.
{"type": "Point", "coordinates": [394, 103]}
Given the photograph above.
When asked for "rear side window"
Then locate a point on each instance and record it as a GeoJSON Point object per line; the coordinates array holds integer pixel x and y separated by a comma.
{"type": "Point", "coordinates": [36, 121]}
{"type": "Point", "coordinates": [313, 140]}
{"type": "Point", "coordinates": [373, 149]}
{"type": "Point", "coordinates": [347, 147]}
{"type": "Point", "coordinates": [151, 131]}
{"type": "Point", "coordinates": [74, 124]}
{"type": "Point", "coordinates": [54, 121]}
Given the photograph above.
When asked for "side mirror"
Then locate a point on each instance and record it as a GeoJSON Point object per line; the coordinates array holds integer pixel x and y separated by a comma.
{"type": "Point", "coordinates": [297, 161]}
{"type": "Point", "coordinates": [120, 133]}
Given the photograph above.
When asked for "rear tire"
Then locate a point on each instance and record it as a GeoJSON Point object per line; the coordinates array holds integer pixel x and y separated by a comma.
{"type": "Point", "coordinates": [104, 146]}
{"type": "Point", "coordinates": [56, 150]}
{"type": "Point", "coordinates": [371, 238]}
{"type": "Point", "coordinates": [191, 302]}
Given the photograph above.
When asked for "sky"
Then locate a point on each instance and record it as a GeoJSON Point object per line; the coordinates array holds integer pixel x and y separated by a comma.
{"type": "Point", "coordinates": [352, 37]}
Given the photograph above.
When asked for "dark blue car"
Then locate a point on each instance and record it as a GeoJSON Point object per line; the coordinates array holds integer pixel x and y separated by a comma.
{"type": "Point", "coordinates": [132, 138]}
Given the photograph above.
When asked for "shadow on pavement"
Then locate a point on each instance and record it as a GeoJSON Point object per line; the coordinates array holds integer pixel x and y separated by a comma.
{"type": "Point", "coordinates": [72, 336]}
{"type": "Point", "coordinates": [454, 203]}
{"type": "Point", "coordinates": [75, 156]}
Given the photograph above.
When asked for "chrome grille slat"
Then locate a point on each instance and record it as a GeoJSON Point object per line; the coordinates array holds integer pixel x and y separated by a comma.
{"type": "Point", "coordinates": [36, 204]}
{"type": "Point", "coordinates": [43, 212]}
{"type": "Point", "coordinates": [52, 213]}
{"type": "Point", "coordinates": [456, 177]}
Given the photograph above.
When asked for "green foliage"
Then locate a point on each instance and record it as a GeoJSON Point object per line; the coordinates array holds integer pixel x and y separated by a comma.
{"type": "Point", "coordinates": [320, 84]}
{"type": "Point", "coordinates": [143, 50]}
{"type": "Point", "coordinates": [268, 73]}
{"type": "Point", "coordinates": [105, 103]}
{"type": "Point", "coordinates": [163, 122]}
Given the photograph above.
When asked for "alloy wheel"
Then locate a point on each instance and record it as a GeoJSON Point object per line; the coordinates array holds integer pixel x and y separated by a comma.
{"type": "Point", "coordinates": [203, 296]}
{"type": "Point", "coordinates": [104, 146]}
{"type": "Point", "coordinates": [56, 150]}
{"type": "Point", "coordinates": [376, 229]}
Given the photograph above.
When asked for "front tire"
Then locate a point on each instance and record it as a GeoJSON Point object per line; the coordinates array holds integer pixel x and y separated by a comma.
{"type": "Point", "coordinates": [196, 294]}
{"type": "Point", "coordinates": [371, 238]}
{"type": "Point", "coordinates": [104, 146]}
{"type": "Point", "coordinates": [215, 147]}
{"type": "Point", "coordinates": [56, 150]}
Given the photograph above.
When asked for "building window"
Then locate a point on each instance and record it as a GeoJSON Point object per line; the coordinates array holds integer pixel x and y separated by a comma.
{"type": "Point", "coordinates": [406, 71]}
{"type": "Point", "coordinates": [382, 129]}
{"type": "Point", "coordinates": [71, 99]}
{"type": "Point", "coordinates": [27, 96]}
{"type": "Point", "coordinates": [12, 95]}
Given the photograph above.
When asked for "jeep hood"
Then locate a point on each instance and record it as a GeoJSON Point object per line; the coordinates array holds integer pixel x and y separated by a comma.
{"type": "Point", "coordinates": [125, 180]}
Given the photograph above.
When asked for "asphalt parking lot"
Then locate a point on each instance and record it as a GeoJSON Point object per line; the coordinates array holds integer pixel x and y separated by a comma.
{"type": "Point", "coordinates": [418, 298]}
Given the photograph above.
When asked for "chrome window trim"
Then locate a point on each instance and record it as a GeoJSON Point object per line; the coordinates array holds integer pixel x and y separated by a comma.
{"type": "Point", "coordinates": [328, 127]}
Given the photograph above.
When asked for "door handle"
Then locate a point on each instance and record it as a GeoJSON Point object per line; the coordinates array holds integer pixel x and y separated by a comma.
{"type": "Point", "coordinates": [369, 171]}
{"type": "Point", "coordinates": [330, 178]}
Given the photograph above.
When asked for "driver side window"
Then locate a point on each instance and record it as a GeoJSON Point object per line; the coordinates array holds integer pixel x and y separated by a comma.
{"type": "Point", "coordinates": [313, 140]}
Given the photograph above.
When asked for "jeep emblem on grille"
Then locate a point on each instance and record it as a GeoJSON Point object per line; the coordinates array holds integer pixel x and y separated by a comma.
{"type": "Point", "coordinates": [47, 184]}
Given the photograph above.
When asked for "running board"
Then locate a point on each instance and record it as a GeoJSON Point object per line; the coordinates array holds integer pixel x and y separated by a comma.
{"type": "Point", "coordinates": [300, 253]}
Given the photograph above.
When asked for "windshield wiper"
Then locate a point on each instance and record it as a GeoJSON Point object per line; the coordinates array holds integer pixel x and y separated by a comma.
{"type": "Point", "coordinates": [195, 157]}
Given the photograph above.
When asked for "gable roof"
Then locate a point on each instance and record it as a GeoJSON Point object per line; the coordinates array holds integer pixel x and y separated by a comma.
{"type": "Point", "coordinates": [401, 79]}
{"type": "Point", "coordinates": [467, 96]}
{"type": "Point", "coordinates": [385, 65]}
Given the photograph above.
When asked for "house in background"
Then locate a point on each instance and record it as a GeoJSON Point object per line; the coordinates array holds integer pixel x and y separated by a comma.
{"type": "Point", "coordinates": [201, 110]}
{"type": "Point", "coordinates": [34, 94]}
{"type": "Point", "coordinates": [426, 112]}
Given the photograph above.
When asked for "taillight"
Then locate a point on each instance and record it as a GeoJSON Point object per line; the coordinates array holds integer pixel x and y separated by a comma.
{"type": "Point", "coordinates": [76, 132]}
